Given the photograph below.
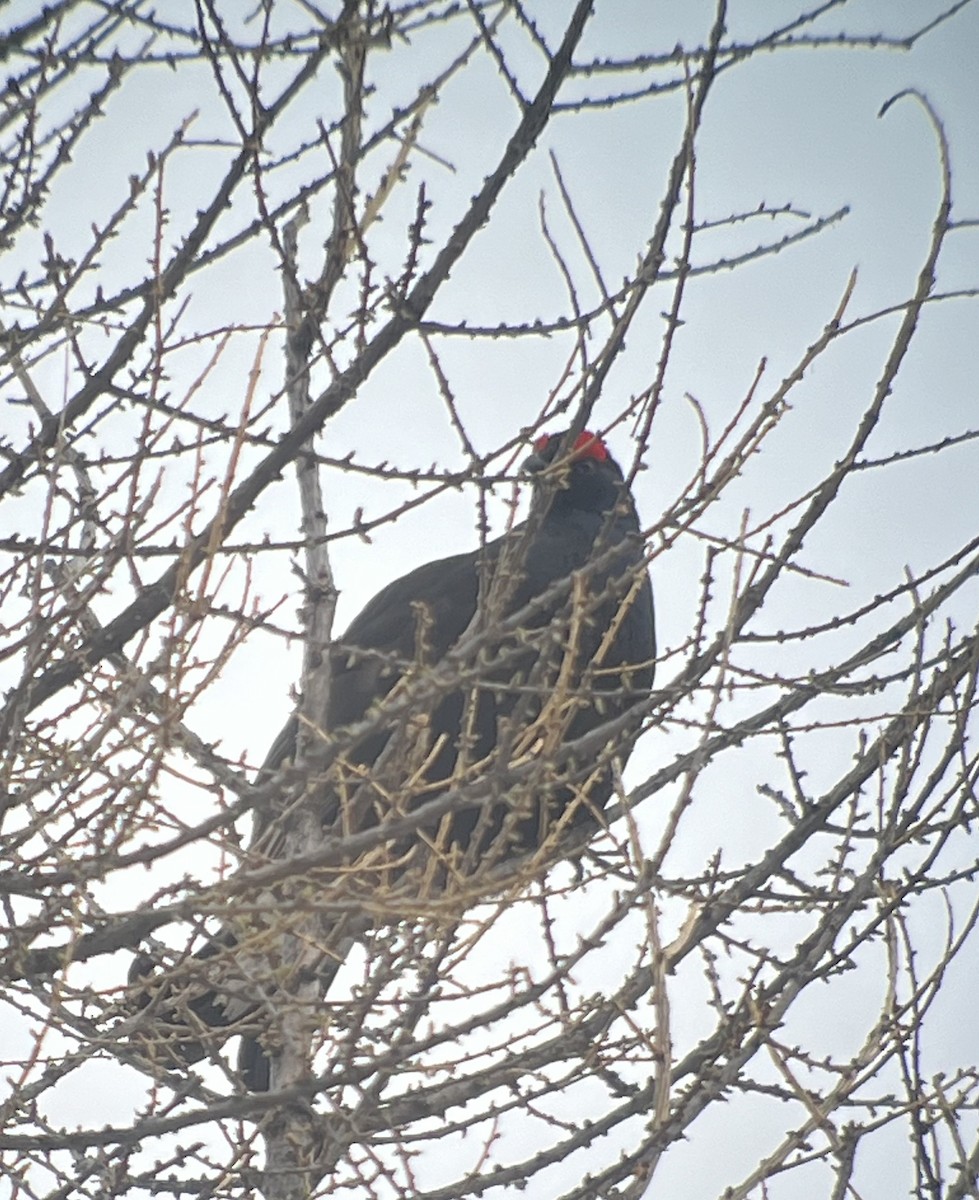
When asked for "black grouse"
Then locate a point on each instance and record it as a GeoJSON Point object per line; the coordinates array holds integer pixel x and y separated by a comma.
{"type": "Point", "coordinates": [499, 688]}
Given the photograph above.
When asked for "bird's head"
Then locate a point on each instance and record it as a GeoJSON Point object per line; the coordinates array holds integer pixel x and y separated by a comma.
{"type": "Point", "coordinates": [584, 476]}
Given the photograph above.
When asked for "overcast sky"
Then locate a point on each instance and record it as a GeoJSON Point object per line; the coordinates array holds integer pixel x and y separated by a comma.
{"type": "Point", "coordinates": [799, 129]}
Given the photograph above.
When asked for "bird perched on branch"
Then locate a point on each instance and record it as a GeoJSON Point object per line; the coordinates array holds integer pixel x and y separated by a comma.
{"type": "Point", "coordinates": [478, 707]}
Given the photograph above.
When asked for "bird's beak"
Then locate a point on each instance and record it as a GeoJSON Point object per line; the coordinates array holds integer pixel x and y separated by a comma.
{"type": "Point", "coordinates": [556, 475]}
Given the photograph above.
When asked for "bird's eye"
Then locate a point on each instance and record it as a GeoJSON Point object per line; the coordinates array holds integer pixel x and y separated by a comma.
{"type": "Point", "coordinates": [585, 465]}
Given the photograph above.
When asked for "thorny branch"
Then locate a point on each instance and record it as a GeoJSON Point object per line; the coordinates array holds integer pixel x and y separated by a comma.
{"type": "Point", "coordinates": [799, 813]}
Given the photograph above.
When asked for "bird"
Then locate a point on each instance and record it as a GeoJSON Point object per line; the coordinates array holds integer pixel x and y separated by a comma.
{"type": "Point", "coordinates": [509, 683]}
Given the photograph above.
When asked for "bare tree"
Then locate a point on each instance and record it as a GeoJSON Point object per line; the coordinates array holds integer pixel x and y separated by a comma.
{"type": "Point", "coordinates": [287, 293]}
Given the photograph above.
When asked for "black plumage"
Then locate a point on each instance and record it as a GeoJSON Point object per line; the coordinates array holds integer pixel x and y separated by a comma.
{"type": "Point", "coordinates": [504, 682]}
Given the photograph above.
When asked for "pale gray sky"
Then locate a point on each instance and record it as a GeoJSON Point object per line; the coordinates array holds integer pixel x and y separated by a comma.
{"type": "Point", "coordinates": [796, 128]}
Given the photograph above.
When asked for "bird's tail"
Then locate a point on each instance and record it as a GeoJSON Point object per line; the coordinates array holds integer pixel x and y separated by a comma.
{"type": "Point", "coordinates": [185, 1017]}
{"type": "Point", "coordinates": [186, 1013]}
